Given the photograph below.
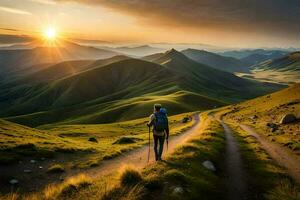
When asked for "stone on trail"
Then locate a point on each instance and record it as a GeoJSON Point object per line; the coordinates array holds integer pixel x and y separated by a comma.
{"type": "Point", "coordinates": [32, 161]}
{"type": "Point", "coordinates": [209, 165]}
{"type": "Point", "coordinates": [178, 190]}
{"type": "Point", "coordinates": [27, 171]}
{"type": "Point", "coordinates": [13, 181]}
{"type": "Point", "coordinates": [288, 118]}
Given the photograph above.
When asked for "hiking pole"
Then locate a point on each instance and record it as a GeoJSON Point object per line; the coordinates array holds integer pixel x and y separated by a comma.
{"type": "Point", "coordinates": [149, 146]}
{"type": "Point", "coordinates": [167, 144]}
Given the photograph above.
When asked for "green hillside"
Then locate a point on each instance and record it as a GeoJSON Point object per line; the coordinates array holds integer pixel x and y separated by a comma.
{"type": "Point", "coordinates": [224, 63]}
{"type": "Point", "coordinates": [126, 90]}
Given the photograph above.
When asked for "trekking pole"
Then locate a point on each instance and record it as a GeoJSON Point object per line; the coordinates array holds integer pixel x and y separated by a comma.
{"type": "Point", "coordinates": [149, 146]}
{"type": "Point", "coordinates": [167, 144]}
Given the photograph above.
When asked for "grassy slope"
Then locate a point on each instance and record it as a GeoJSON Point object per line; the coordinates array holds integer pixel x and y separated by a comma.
{"type": "Point", "coordinates": [270, 108]}
{"type": "Point", "coordinates": [184, 169]}
{"type": "Point", "coordinates": [18, 141]}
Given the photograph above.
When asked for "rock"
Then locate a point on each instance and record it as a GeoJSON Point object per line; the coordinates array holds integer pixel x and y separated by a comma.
{"type": "Point", "coordinates": [272, 125]}
{"type": "Point", "coordinates": [185, 119]}
{"type": "Point", "coordinates": [27, 171]}
{"type": "Point", "coordinates": [13, 181]}
{"type": "Point", "coordinates": [93, 139]}
{"type": "Point", "coordinates": [177, 190]}
{"type": "Point", "coordinates": [209, 165]}
{"type": "Point", "coordinates": [40, 167]}
{"type": "Point", "coordinates": [32, 161]}
{"type": "Point", "coordinates": [279, 132]}
{"type": "Point", "coordinates": [42, 158]}
{"type": "Point", "coordinates": [288, 118]}
{"type": "Point", "coordinates": [253, 117]}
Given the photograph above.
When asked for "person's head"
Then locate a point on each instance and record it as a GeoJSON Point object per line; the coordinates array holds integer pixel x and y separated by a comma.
{"type": "Point", "coordinates": [157, 107]}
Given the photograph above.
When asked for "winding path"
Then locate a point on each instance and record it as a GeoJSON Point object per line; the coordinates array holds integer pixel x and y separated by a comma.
{"type": "Point", "coordinates": [236, 180]}
{"type": "Point", "coordinates": [285, 158]}
{"type": "Point", "coordinates": [137, 158]}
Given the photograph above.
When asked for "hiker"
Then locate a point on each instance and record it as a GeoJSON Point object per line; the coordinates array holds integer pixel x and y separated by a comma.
{"type": "Point", "coordinates": [159, 121]}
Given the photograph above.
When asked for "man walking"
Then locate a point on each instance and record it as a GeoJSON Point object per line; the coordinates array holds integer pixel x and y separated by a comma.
{"type": "Point", "coordinates": [159, 121]}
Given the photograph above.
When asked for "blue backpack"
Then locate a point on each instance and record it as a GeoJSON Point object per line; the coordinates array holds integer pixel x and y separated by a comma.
{"type": "Point", "coordinates": [161, 121]}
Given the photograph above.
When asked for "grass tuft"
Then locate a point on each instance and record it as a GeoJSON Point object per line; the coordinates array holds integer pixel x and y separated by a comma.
{"type": "Point", "coordinates": [130, 177]}
{"type": "Point", "coordinates": [57, 168]}
{"type": "Point", "coordinates": [285, 190]}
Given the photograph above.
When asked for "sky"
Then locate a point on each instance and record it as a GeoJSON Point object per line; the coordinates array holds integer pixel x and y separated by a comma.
{"type": "Point", "coordinates": [227, 23]}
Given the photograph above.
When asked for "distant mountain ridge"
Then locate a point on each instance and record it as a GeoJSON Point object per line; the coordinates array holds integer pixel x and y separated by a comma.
{"type": "Point", "coordinates": [255, 56]}
{"type": "Point", "coordinates": [13, 60]}
{"type": "Point", "coordinates": [224, 63]}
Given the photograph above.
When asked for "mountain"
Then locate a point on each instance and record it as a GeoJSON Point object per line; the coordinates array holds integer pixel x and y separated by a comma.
{"type": "Point", "coordinates": [228, 64]}
{"type": "Point", "coordinates": [66, 68]}
{"type": "Point", "coordinates": [138, 51]}
{"type": "Point", "coordinates": [211, 81]}
{"type": "Point", "coordinates": [14, 60]}
{"type": "Point", "coordinates": [290, 62]}
{"type": "Point", "coordinates": [127, 89]}
{"type": "Point", "coordinates": [255, 56]}
{"type": "Point", "coordinates": [122, 90]}
{"type": "Point", "coordinates": [285, 69]}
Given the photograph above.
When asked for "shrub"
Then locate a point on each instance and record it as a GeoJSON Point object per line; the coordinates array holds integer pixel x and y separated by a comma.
{"type": "Point", "coordinates": [130, 177]}
{"type": "Point", "coordinates": [176, 176]}
{"type": "Point", "coordinates": [126, 140]}
{"type": "Point", "coordinates": [56, 169]}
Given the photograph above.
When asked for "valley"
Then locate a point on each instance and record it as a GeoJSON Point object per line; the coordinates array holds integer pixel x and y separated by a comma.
{"type": "Point", "coordinates": [73, 122]}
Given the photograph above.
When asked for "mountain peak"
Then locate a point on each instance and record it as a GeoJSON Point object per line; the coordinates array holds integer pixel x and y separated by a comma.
{"type": "Point", "coordinates": [173, 53]}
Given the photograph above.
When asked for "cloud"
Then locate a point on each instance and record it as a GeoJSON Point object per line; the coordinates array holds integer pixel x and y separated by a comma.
{"type": "Point", "coordinates": [14, 11]}
{"type": "Point", "coordinates": [240, 15]}
{"type": "Point", "coordinates": [49, 2]}
{"type": "Point", "coordinates": [12, 39]}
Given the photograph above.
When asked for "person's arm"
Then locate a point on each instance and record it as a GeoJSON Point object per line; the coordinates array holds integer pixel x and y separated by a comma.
{"type": "Point", "coordinates": [151, 121]}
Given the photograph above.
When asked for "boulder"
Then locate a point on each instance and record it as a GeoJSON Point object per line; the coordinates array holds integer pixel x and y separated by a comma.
{"type": "Point", "coordinates": [177, 190]}
{"type": "Point", "coordinates": [93, 139]}
{"type": "Point", "coordinates": [288, 118]}
{"type": "Point", "coordinates": [13, 181]}
{"type": "Point", "coordinates": [272, 125]}
{"type": "Point", "coordinates": [209, 165]}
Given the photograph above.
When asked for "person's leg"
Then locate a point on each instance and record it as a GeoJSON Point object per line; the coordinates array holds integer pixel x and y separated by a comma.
{"type": "Point", "coordinates": [161, 146]}
{"type": "Point", "coordinates": [155, 139]}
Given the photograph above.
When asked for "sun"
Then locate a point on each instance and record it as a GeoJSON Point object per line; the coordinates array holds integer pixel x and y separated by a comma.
{"type": "Point", "coordinates": [50, 33]}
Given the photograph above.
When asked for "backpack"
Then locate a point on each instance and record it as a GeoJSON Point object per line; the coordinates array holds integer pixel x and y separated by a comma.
{"type": "Point", "coordinates": [161, 121]}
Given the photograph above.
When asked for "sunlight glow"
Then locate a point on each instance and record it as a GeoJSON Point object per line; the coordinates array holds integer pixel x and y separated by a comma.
{"type": "Point", "coordinates": [50, 33]}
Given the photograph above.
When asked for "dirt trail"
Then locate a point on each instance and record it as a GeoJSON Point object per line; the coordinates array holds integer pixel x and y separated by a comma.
{"type": "Point", "coordinates": [236, 182]}
{"type": "Point", "coordinates": [278, 153]}
{"type": "Point", "coordinates": [136, 158]}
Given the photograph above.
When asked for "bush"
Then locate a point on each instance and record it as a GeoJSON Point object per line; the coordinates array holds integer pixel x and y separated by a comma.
{"type": "Point", "coordinates": [176, 176]}
{"type": "Point", "coordinates": [126, 140]}
{"type": "Point", "coordinates": [130, 177]}
{"type": "Point", "coordinates": [56, 169]}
